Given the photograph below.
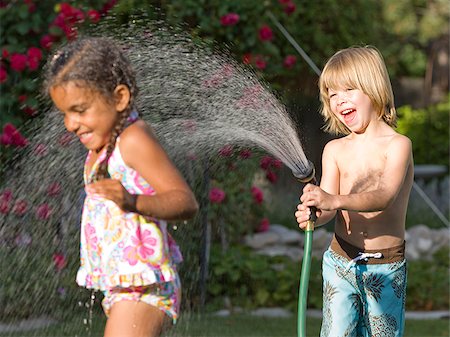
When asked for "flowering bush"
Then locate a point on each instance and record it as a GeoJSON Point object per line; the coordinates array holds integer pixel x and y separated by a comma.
{"type": "Point", "coordinates": [29, 31]}
{"type": "Point", "coordinates": [34, 258]}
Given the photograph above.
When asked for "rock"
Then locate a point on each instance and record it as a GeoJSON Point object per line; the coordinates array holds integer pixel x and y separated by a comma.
{"type": "Point", "coordinates": [260, 240]}
{"type": "Point", "coordinates": [294, 253]}
{"type": "Point", "coordinates": [271, 312]}
{"type": "Point", "coordinates": [288, 236]}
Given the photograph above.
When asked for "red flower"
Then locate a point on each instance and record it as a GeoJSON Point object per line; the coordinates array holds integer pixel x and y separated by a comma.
{"type": "Point", "coordinates": [5, 206]}
{"type": "Point", "coordinates": [216, 195]}
{"type": "Point", "coordinates": [226, 151]}
{"type": "Point", "coordinates": [265, 162]}
{"type": "Point", "coordinates": [5, 53]}
{"type": "Point", "coordinates": [260, 63]}
{"type": "Point", "coordinates": [11, 136]}
{"type": "Point", "coordinates": [20, 207]}
{"type": "Point", "coordinates": [46, 41]}
{"type": "Point", "coordinates": [229, 19]}
{"type": "Point", "coordinates": [3, 75]}
{"type": "Point", "coordinates": [247, 58]}
{"type": "Point", "coordinates": [29, 111]}
{"type": "Point", "coordinates": [277, 163]}
{"type": "Point", "coordinates": [289, 8]}
{"type": "Point", "coordinates": [60, 261]}
{"type": "Point", "coordinates": [258, 195]}
{"type": "Point", "coordinates": [54, 189]}
{"type": "Point", "coordinates": [271, 176]}
{"type": "Point", "coordinates": [6, 195]}
{"type": "Point", "coordinates": [263, 225]}
{"type": "Point", "coordinates": [35, 53]}
{"type": "Point", "coordinates": [40, 149]}
{"type": "Point", "coordinates": [43, 212]}
{"type": "Point", "coordinates": [93, 15]}
{"type": "Point", "coordinates": [22, 98]}
{"type": "Point", "coordinates": [265, 33]}
{"type": "Point", "coordinates": [284, 2]}
{"type": "Point", "coordinates": [289, 61]}
{"type": "Point", "coordinates": [18, 62]}
{"type": "Point", "coordinates": [245, 154]}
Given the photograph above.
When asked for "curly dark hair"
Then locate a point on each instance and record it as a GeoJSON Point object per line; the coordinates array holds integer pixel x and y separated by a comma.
{"type": "Point", "coordinates": [100, 64]}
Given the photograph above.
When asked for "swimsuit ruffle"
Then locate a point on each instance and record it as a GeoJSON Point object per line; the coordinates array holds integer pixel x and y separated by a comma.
{"type": "Point", "coordinates": [145, 278]}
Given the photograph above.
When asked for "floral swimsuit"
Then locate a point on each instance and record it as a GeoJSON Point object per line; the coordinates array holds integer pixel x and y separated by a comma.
{"type": "Point", "coordinates": [126, 255]}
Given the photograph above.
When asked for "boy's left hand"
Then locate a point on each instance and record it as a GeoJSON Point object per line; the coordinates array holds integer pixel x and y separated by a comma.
{"type": "Point", "coordinates": [313, 195]}
{"type": "Point", "coordinates": [113, 190]}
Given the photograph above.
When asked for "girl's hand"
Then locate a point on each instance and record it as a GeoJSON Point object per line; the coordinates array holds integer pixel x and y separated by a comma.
{"type": "Point", "coordinates": [113, 190]}
{"type": "Point", "coordinates": [314, 196]}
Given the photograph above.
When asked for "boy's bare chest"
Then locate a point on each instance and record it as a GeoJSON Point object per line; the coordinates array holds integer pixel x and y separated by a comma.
{"type": "Point", "coordinates": [361, 168]}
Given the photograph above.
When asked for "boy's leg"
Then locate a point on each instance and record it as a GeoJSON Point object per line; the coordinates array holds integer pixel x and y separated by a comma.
{"type": "Point", "coordinates": [341, 300]}
{"type": "Point", "coordinates": [384, 288]}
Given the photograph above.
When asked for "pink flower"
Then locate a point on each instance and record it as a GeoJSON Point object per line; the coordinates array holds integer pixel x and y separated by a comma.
{"type": "Point", "coordinates": [265, 162]}
{"type": "Point", "coordinates": [54, 189]}
{"type": "Point", "coordinates": [91, 236]}
{"type": "Point", "coordinates": [40, 149]}
{"type": "Point", "coordinates": [5, 206]}
{"type": "Point", "coordinates": [289, 8]}
{"type": "Point", "coordinates": [3, 75]}
{"type": "Point", "coordinates": [59, 261]}
{"type": "Point", "coordinates": [93, 15]}
{"type": "Point", "coordinates": [43, 212]}
{"type": "Point", "coordinates": [229, 19]}
{"type": "Point", "coordinates": [263, 225]}
{"type": "Point", "coordinates": [20, 207]}
{"type": "Point", "coordinates": [258, 195]}
{"type": "Point", "coordinates": [18, 62]}
{"type": "Point", "coordinates": [289, 61]}
{"type": "Point", "coordinates": [216, 195]}
{"type": "Point", "coordinates": [245, 154]}
{"type": "Point", "coordinates": [265, 33]}
{"type": "Point", "coordinates": [271, 176]}
{"type": "Point", "coordinates": [6, 195]}
{"type": "Point", "coordinates": [46, 41]}
{"type": "Point", "coordinates": [260, 63]}
{"type": "Point", "coordinates": [65, 139]}
{"type": "Point", "coordinates": [226, 151]}
{"type": "Point", "coordinates": [142, 248]}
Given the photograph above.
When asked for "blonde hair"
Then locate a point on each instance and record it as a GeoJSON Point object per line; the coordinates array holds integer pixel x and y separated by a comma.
{"type": "Point", "coordinates": [360, 68]}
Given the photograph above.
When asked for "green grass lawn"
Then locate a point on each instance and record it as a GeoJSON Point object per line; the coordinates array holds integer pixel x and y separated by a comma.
{"type": "Point", "coordinates": [236, 325]}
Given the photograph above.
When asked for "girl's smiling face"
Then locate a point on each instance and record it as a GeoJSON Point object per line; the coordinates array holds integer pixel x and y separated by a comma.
{"type": "Point", "coordinates": [352, 107]}
{"type": "Point", "coordinates": [87, 113]}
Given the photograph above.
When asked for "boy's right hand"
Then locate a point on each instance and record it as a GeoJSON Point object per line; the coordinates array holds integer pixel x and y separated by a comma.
{"type": "Point", "coordinates": [303, 214]}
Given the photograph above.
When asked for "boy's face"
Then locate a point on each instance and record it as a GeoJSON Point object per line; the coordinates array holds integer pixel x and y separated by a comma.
{"type": "Point", "coordinates": [352, 107]}
{"type": "Point", "coordinates": [86, 113]}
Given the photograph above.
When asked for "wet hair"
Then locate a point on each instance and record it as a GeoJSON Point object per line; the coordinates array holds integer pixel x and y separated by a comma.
{"type": "Point", "coordinates": [360, 68]}
{"type": "Point", "coordinates": [100, 65]}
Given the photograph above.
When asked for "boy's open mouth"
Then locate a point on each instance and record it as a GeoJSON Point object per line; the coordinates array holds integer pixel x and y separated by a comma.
{"type": "Point", "coordinates": [349, 115]}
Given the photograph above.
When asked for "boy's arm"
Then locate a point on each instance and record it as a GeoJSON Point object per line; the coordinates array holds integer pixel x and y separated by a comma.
{"type": "Point", "coordinates": [329, 182]}
{"type": "Point", "coordinates": [398, 159]}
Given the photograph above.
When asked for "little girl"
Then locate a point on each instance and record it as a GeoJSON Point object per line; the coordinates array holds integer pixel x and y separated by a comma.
{"type": "Point", "coordinates": [131, 185]}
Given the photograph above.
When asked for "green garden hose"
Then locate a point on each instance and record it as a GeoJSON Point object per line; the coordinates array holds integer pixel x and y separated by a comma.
{"type": "Point", "coordinates": [304, 280]}
{"type": "Point", "coordinates": [306, 261]}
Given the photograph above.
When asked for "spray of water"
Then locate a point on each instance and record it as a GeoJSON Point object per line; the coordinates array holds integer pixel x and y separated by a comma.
{"type": "Point", "coordinates": [197, 99]}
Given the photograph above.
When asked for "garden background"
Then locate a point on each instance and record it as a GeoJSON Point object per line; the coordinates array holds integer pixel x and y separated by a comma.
{"type": "Point", "coordinates": [248, 191]}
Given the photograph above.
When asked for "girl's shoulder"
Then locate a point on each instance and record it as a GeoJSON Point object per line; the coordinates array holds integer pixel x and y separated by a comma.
{"type": "Point", "coordinates": [136, 140]}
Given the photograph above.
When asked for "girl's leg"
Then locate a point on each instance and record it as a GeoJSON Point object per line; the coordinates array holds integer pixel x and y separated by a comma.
{"type": "Point", "coordinates": [134, 319]}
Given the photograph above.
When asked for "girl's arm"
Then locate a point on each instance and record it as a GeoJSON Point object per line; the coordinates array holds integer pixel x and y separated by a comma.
{"type": "Point", "coordinates": [141, 151]}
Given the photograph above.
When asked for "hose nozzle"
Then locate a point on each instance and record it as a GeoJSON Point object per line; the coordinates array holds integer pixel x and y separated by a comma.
{"type": "Point", "coordinates": [306, 176]}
